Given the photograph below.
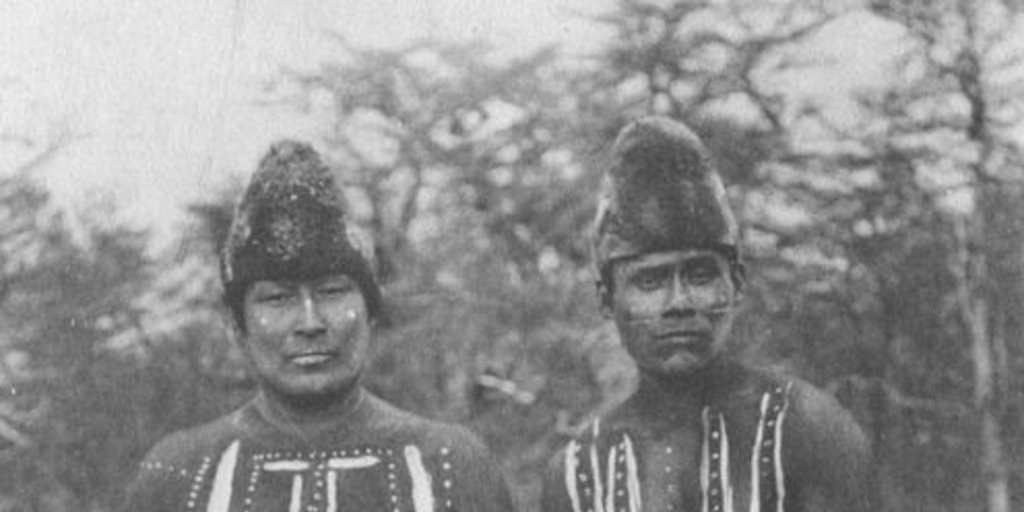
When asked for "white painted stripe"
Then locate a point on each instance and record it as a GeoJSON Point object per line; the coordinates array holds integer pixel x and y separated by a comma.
{"type": "Point", "coordinates": [332, 491]}
{"type": "Point", "coordinates": [595, 467]}
{"type": "Point", "coordinates": [353, 462]}
{"type": "Point", "coordinates": [780, 478]}
{"type": "Point", "coordinates": [609, 499]}
{"type": "Point", "coordinates": [755, 473]}
{"type": "Point", "coordinates": [598, 486]}
{"type": "Point", "coordinates": [632, 477]}
{"type": "Point", "coordinates": [724, 460]}
{"type": "Point", "coordinates": [422, 492]}
{"type": "Point", "coordinates": [572, 462]}
{"type": "Point", "coordinates": [286, 465]}
{"type": "Point", "coordinates": [296, 502]}
{"type": "Point", "coordinates": [705, 460]}
{"type": "Point", "coordinates": [220, 493]}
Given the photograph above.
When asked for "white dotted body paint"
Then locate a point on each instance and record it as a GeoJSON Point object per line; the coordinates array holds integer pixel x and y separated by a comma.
{"type": "Point", "coordinates": [632, 476]}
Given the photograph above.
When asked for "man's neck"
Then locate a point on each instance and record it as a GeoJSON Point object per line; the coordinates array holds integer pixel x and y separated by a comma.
{"type": "Point", "coordinates": [691, 391]}
{"type": "Point", "coordinates": [309, 415]}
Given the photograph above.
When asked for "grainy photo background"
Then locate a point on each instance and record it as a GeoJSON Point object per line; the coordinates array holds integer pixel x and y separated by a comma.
{"type": "Point", "coordinates": [873, 149]}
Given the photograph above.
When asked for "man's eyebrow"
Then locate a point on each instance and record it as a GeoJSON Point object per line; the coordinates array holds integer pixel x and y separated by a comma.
{"type": "Point", "coordinates": [701, 260]}
{"type": "Point", "coordinates": [276, 285]}
{"type": "Point", "coordinates": [648, 269]}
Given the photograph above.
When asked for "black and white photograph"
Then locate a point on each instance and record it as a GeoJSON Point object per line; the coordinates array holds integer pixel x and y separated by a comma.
{"type": "Point", "coordinates": [511, 256]}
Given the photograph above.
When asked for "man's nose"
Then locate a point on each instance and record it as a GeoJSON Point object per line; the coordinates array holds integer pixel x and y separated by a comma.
{"type": "Point", "coordinates": [682, 297]}
{"type": "Point", "coordinates": [312, 321]}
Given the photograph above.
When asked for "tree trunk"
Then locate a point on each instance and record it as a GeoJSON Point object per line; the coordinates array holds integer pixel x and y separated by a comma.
{"type": "Point", "coordinates": [974, 309]}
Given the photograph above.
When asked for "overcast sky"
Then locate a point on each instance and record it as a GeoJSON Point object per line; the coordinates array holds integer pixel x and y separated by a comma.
{"type": "Point", "coordinates": [160, 92]}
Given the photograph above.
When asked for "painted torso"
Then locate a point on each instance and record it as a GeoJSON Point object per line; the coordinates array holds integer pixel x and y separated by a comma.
{"type": "Point", "coordinates": [731, 439]}
{"type": "Point", "coordinates": [380, 459]}
{"type": "Point", "coordinates": [708, 463]}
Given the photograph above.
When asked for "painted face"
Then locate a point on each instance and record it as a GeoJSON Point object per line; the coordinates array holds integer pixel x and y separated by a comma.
{"type": "Point", "coordinates": [307, 338]}
{"type": "Point", "coordinates": [674, 309]}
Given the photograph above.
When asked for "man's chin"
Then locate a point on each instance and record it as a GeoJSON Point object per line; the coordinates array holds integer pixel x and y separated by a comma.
{"type": "Point", "coordinates": [313, 393]}
{"type": "Point", "coordinates": [683, 365]}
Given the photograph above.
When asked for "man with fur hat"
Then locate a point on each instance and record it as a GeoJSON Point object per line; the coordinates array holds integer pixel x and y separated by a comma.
{"type": "Point", "coordinates": [299, 284]}
{"type": "Point", "coordinates": [702, 431]}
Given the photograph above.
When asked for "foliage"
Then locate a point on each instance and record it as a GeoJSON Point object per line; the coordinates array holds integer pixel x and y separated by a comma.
{"type": "Point", "coordinates": [65, 302]}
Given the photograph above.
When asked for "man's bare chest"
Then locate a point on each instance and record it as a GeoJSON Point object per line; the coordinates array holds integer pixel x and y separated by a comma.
{"type": "Point", "coordinates": [728, 461]}
{"type": "Point", "coordinates": [243, 478]}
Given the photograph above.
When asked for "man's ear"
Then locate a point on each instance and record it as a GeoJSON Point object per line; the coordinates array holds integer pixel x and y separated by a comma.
{"type": "Point", "coordinates": [604, 299]}
{"type": "Point", "coordinates": [739, 278]}
{"type": "Point", "coordinates": [235, 331]}
{"type": "Point", "coordinates": [604, 281]}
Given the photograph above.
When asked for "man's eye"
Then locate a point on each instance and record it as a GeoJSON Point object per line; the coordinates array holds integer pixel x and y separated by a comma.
{"type": "Point", "coordinates": [337, 290]}
{"type": "Point", "coordinates": [704, 274]}
{"type": "Point", "coordinates": [274, 298]}
{"type": "Point", "coordinates": [647, 280]}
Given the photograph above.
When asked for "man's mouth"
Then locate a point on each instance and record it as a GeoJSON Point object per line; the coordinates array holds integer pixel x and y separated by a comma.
{"type": "Point", "coordinates": [689, 339]}
{"type": "Point", "coordinates": [307, 359]}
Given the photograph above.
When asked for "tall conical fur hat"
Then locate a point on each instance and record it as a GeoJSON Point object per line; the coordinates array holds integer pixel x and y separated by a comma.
{"type": "Point", "coordinates": [291, 224]}
{"type": "Point", "coordinates": [661, 192]}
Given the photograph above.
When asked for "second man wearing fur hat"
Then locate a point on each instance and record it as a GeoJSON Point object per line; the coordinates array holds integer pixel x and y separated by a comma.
{"type": "Point", "coordinates": [702, 432]}
{"type": "Point", "coordinates": [300, 287]}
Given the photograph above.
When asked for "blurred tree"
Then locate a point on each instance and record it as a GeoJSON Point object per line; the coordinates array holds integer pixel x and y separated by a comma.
{"type": "Point", "coordinates": [66, 298]}
{"type": "Point", "coordinates": [954, 113]}
{"type": "Point", "coordinates": [881, 267]}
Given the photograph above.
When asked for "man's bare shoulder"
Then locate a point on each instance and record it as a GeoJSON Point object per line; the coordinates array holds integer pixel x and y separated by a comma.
{"type": "Point", "coordinates": [188, 447]}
